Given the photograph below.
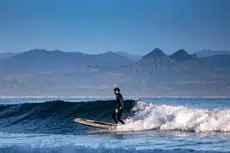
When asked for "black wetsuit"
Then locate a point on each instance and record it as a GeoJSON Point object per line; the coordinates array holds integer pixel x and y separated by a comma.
{"type": "Point", "coordinates": [117, 116]}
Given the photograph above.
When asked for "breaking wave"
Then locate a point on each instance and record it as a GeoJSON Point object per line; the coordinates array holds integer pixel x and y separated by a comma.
{"type": "Point", "coordinates": [148, 116]}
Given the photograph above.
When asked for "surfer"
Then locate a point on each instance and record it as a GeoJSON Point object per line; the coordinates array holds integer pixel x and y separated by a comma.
{"type": "Point", "coordinates": [119, 107]}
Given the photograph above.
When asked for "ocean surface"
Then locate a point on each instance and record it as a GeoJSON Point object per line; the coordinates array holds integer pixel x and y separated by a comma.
{"type": "Point", "coordinates": [158, 125]}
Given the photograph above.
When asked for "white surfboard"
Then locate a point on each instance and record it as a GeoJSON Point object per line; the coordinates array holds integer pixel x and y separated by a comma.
{"type": "Point", "coordinates": [96, 124]}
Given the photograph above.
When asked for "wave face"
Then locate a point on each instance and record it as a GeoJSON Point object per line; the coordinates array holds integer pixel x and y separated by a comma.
{"type": "Point", "coordinates": [55, 117]}
{"type": "Point", "coordinates": [166, 117]}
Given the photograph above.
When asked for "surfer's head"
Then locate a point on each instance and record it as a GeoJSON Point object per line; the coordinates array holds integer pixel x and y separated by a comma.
{"type": "Point", "coordinates": [116, 90]}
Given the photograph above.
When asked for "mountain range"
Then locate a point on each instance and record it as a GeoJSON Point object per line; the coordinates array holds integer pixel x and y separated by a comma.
{"type": "Point", "coordinates": [6, 55]}
{"type": "Point", "coordinates": [43, 60]}
{"type": "Point", "coordinates": [40, 72]}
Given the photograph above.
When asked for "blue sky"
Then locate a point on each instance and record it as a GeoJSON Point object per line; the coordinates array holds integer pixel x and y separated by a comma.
{"type": "Point", "coordinates": [135, 26]}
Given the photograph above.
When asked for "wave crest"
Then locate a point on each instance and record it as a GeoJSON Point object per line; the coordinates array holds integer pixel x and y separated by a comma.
{"type": "Point", "coordinates": [165, 117]}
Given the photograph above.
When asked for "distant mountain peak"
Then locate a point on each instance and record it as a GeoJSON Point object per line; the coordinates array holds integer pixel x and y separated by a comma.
{"type": "Point", "coordinates": [36, 50]}
{"type": "Point", "coordinates": [156, 57]}
{"type": "Point", "coordinates": [180, 55]}
{"type": "Point", "coordinates": [182, 51]}
{"type": "Point", "coordinates": [110, 53]}
{"type": "Point", "coordinates": [157, 52]}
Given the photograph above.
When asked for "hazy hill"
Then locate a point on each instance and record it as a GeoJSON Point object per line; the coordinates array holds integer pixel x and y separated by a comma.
{"type": "Point", "coordinates": [190, 64]}
{"type": "Point", "coordinates": [130, 56]}
{"type": "Point", "coordinates": [154, 65]}
{"type": "Point", "coordinates": [209, 52]}
{"type": "Point", "coordinates": [43, 60]}
{"type": "Point", "coordinates": [181, 55]}
{"type": "Point", "coordinates": [157, 66]}
{"type": "Point", "coordinates": [5, 55]}
{"type": "Point", "coordinates": [216, 61]}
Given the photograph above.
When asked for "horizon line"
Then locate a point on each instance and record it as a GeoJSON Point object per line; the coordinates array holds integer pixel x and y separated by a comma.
{"type": "Point", "coordinates": [90, 53]}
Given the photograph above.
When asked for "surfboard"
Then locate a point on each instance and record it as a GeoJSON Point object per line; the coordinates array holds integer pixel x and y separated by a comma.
{"type": "Point", "coordinates": [96, 124]}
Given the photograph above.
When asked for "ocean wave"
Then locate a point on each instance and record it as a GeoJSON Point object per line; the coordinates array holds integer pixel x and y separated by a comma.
{"type": "Point", "coordinates": [99, 149]}
{"type": "Point", "coordinates": [148, 116]}
{"type": "Point", "coordinates": [55, 116]}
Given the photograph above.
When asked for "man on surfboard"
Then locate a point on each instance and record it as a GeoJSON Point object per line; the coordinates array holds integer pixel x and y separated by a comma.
{"type": "Point", "coordinates": [119, 107]}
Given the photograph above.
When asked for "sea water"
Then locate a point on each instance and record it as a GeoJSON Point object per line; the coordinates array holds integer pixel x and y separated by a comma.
{"type": "Point", "coordinates": [152, 125]}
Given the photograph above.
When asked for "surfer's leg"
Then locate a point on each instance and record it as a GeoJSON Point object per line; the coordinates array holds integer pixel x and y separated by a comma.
{"type": "Point", "coordinates": [119, 117]}
{"type": "Point", "coordinates": [114, 116]}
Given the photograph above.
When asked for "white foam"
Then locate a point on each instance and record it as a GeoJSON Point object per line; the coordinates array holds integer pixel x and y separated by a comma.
{"type": "Point", "coordinates": [165, 117]}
